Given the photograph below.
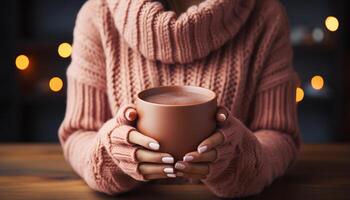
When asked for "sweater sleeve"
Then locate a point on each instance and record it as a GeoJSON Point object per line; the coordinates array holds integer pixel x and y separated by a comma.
{"type": "Point", "coordinates": [256, 153]}
{"type": "Point", "coordinates": [85, 136]}
{"type": "Point", "coordinates": [85, 133]}
{"type": "Point", "coordinates": [253, 156]}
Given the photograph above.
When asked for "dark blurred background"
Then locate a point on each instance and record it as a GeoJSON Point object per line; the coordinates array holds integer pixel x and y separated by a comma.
{"type": "Point", "coordinates": [32, 98]}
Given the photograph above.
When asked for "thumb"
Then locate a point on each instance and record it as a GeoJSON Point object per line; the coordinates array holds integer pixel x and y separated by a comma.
{"type": "Point", "coordinates": [222, 115]}
{"type": "Point", "coordinates": [126, 114]}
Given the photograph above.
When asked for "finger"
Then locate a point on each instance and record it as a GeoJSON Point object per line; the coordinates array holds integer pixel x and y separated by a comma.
{"type": "Point", "coordinates": [222, 115]}
{"type": "Point", "coordinates": [131, 114]}
{"type": "Point", "coordinates": [190, 176]}
{"type": "Point", "coordinates": [136, 137]}
{"type": "Point", "coordinates": [146, 168]}
{"type": "Point", "coordinates": [211, 142]}
{"type": "Point", "coordinates": [126, 149]}
{"type": "Point", "coordinates": [126, 114]}
{"type": "Point", "coordinates": [143, 155]}
{"type": "Point", "coordinates": [159, 176]}
{"type": "Point", "coordinates": [194, 156]}
{"type": "Point", "coordinates": [192, 168]}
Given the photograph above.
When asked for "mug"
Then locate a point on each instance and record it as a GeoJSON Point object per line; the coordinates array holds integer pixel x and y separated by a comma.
{"type": "Point", "coordinates": [179, 128]}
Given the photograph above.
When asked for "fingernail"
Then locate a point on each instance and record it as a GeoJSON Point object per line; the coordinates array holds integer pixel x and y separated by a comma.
{"type": "Point", "coordinates": [171, 175]}
{"type": "Point", "coordinates": [187, 158]}
{"type": "Point", "coordinates": [130, 115]}
{"type": "Point", "coordinates": [202, 149]}
{"type": "Point", "coordinates": [168, 170]}
{"type": "Point", "coordinates": [154, 145]}
{"type": "Point", "coordinates": [168, 159]}
{"type": "Point", "coordinates": [179, 166]}
{"type": "Point", "coordinates": [221, 117]}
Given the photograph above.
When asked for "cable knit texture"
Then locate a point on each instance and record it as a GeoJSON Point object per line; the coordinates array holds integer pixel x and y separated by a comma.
{"type": "Point", "coordinates": [240, 49]}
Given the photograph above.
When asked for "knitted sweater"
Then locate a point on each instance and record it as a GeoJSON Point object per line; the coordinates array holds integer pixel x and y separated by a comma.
{"type": "Point", "coordinates": [240, 49]}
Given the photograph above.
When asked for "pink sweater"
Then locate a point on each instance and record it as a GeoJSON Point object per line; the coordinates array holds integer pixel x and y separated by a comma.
{"type": "Point", "coordinates": [238, 48]}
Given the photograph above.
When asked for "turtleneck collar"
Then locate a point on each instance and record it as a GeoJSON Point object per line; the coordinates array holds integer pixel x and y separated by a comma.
{"type": "Point", "coordinates": [161, 35]}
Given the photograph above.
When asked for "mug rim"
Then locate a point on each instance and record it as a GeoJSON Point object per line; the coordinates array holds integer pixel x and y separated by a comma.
{"type": "Point", "coordinates": [211, 95]}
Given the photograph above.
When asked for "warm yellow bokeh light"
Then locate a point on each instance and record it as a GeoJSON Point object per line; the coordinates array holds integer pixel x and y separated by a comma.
{"type": "Point", "coordinates": [55, 84]}
{"type": "Point", "coordinates": [317, 82]}
{"type": "Point", "coordinates": [65, 50]}
{"type": "Point", "coordinates": [299, 94]}
{"type": "Point", "coordinates": [332, 23]}
{"type": "Point", "coordinates": [22, 62]}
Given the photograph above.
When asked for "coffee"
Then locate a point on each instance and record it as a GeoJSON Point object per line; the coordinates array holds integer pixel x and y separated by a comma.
{"type": "Point", "coordinates": [177, 98]}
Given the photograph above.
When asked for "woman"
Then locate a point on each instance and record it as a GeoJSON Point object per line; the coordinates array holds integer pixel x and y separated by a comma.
{"type": "Point", "coordinates": [238, 48]}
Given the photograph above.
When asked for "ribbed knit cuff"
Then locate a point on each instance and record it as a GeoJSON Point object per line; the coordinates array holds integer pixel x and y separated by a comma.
{"type": "Point", "coordinates": [124, 152]}
{"type": "Point", "coordinates": [107, 128]}
{"type": "Point", "coordinates": [112, 133]}
{"type": "Point", "coordinates": [107, 176]}
{"type": "Point", "coordinates": [239, 161]}
{"type": "Point", "coordinates": [233, 131]}
{"type": "Point", "coordinates": [115, 140]}
{"type": "Point", "coordinates": [121, 134]}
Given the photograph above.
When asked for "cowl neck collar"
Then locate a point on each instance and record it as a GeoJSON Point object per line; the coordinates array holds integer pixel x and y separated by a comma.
{"type": "Point", "coordinates": [162, 35]}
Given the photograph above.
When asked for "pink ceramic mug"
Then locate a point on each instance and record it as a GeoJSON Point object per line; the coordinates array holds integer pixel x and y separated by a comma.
{"type": "Point", "coordinates": [178, 117]}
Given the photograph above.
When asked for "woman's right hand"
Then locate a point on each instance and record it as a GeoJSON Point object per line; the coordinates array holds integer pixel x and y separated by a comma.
{"type": "Point", "coordinates": [150, 163]}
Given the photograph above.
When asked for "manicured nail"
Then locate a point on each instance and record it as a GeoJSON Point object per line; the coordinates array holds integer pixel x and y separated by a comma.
{"type": "Point", "coordinates": [202, 149]}
{"type": "Point", "coordinates": [154, 145]}
{"type": "Point", "coordinates": [221, 117]}
{"type": "Point", "coordinates": [168, 170]}
{"type": "Point", "coordinates": [187, 158]}
{"type": "Point", "coordinates": [179, 166]}
{"type": "Point", "coordinates": [130, 114]}
{"type": "Point", "coordinates": [168, 159]}
{"type": "Point", "coordinates": [171, 175]}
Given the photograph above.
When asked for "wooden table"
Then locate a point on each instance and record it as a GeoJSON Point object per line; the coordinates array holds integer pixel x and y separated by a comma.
{"type": "Point", "coordinates": [38, 171]}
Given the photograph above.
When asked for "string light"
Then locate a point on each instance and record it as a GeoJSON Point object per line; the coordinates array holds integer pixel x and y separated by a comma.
{"type": "Point", "coordinates": [64, 50]}
{"type": "Point", "coordinates": [56, 84]}
{"type": "Point", "coordinates": [299, 94]}
{"type": "Point", "coordinates": [317, 82]}
{"type": "Point", "coordinates": [22, 62]}
{"type": "Point", "coordinates": [332, 23]}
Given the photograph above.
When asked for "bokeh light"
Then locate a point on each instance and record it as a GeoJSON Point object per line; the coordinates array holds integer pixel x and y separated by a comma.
{"type": "Point", "coordinates": [56, 84]}
{"type": "Point", "coordinates": [22, 62]}
{"type": "Point", "coordinates": [317, 35]}
{"type": "Point", "coordinates": [317, 82]}
{"type": "Point", "coordinates": [299, 94]}
{"type": "Point", "coordinates": [332, 23]}
{"type": "Point", "coordinates": [65, 50]}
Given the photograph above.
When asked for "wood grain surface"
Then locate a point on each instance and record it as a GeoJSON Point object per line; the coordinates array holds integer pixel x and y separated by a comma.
{"type": "Point", "coordinates": [38, 171]}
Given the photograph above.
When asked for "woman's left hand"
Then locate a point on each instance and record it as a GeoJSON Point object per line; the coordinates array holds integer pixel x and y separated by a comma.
{"type": "Point", "coordinates": [195, 165]}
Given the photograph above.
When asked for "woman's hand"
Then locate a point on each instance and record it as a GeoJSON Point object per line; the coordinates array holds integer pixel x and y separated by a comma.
{"type": "Point", "coordinates": [151, 164]}
{"type": "Point", "coordinates": [195, 165]}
